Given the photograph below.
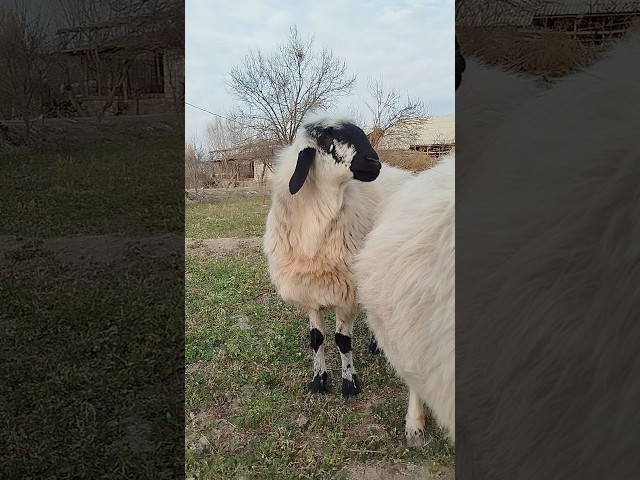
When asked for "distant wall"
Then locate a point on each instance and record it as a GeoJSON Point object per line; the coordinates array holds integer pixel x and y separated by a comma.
{"type": "Point", "coordinates": [142, 106]}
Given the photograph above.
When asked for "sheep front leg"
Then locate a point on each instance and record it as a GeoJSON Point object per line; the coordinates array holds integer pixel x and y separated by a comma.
{"type": "Point", "coordinates": [344, 332]}
{"type": "Point", "coordinates": [414, 427]}
{"type": "Point", "coordinates": [316, 324]}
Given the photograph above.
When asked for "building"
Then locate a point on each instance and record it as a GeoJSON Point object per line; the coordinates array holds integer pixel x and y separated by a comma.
{"type": "Point", "coordinates": [436, 136]}
{"type": "Point", "coordinates": [122, 66]}
{"type": "Point", "coordinates": [593, 21]}
{"type": "Point", "coordinates": [247, 164]}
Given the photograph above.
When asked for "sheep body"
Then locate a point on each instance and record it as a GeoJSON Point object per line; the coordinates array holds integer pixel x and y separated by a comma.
{"type": "Point", "coordinates": [409, 296]}
{"type": "Point", "coordinates": [544, 293]}
{"type": "Point", "coordinates": [406, 280]}
{"type": "Point", "coordinates": [312, 236]}
{"type": "Point", "coordinates": [486, 99]}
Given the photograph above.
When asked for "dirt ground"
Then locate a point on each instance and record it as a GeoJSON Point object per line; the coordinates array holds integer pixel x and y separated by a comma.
{"type": "Point", "coordinates": [84, 251]}
{"type": "Point", "coordinates": [57, 133]}
{"type": "Point", "coordinates": [210, 195]}
{"type": "Point", "coordinates": [401, 471]}
{"type": "Point", "coordinates": [221, 247]}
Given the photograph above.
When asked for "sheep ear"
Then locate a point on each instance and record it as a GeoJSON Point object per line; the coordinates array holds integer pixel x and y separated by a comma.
{"type": "Point", "coordinates": [305, 157]}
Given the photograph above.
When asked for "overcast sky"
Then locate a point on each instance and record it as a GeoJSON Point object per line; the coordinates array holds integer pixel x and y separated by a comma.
{"type": "Point", "coordinates": [408, 43]}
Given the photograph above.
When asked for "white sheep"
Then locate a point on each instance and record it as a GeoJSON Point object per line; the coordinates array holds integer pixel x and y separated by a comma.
{"type": "Point", "coordinates": [324, 202]}
{"type": "Point", "coordinates": [409, 296]}
{"type": "Point", "coordinates": [551, 212]}
{"type": "Point", "coordinates": [405, 275]}
{"type": "Point", "coordinates": [487, 97]}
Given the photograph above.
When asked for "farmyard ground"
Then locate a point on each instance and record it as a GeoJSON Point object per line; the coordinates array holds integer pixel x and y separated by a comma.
{"type": "Point", "coordinates": [247, 413]}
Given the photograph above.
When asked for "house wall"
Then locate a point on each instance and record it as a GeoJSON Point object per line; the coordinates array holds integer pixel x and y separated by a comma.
{"type": "Point", "coordinates": [174, 76]}
{"type": "Point", "coordinates": [143, 106]}
{"type": "Point", "coordinates": [154, 85]}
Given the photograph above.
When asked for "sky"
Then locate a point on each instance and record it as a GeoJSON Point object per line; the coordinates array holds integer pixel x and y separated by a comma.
{"type": "Point", "coordinates": [409, 44]}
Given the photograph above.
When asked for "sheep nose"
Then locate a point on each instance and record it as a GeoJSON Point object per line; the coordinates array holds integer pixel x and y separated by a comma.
{"type": "Point", "coordinates": [374, 164]}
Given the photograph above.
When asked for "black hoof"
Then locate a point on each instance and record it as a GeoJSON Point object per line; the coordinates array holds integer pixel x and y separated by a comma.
{"type": "Point", "coordinates": [350, 388]}
{"type": "Point", "coordinates": [318, 384]}
{"type": "Point", "coordinates": [373, 346]}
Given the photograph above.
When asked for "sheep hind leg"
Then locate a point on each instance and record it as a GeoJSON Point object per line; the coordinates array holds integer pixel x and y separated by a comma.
{"type": "Point", "coordinates": [344, 332]}
{"type": "Point", "coordinates": [373, 345]}
{"type": "Point", "coordinates": [320, 377]}
{"type": "Point", "coordinates": [414, 426]}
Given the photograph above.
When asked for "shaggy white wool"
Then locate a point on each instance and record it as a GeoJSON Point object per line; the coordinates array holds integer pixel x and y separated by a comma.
{"type": "Point", "coordinates": [406, 279]}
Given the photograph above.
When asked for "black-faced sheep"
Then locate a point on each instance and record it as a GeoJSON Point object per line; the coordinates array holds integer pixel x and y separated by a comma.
{"type": "Point", "coordinates": [324, 203]}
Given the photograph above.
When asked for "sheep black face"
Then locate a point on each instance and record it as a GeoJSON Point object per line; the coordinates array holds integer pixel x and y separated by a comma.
{"type": "Point", "coordinates": [343, 142]}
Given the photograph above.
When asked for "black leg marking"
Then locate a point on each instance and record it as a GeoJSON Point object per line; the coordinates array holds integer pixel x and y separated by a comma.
{"type": "Point", "coordinates": [343, 342]}
{"type": "Point", "coordinates": [319, 384]}
{"type": "Point", "coordinates": [350, 388]}
{"type": "Point", "coordinates": [373, 346]}
{"type": "Point", "coordinates": [316, 339]}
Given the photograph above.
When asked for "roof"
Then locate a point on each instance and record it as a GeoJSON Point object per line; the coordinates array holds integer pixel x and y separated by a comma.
{"type": "Point", "coordinates": [579, 7]}
{"type": "Point", "coordinates": [435, 130]}
{"type": "Point", "coordinates": [523, 15]}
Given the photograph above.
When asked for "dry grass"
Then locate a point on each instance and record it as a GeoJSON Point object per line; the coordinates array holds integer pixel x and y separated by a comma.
{"type": "Point", "coordinates": [408, 159]}
{"type": "Point", "coordinates": [546, 52]}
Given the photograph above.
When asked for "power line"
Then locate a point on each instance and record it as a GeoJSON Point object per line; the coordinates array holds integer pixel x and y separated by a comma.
{"type": "Point", "coordinates": [220, 116]}
{"type": "Point", "coordinates": [199, 108]}
{"type": "Point", "coordinates": [253, 136]}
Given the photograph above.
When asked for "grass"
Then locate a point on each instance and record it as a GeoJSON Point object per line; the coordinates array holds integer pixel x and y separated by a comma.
{"type": "Point", "coordinates": [90, 353]}
{"type": "Point", "coordinates": [89, 373]}
{"type": "Point", "coordinates": [242, 217]}
{"type": "Point", "coordinates": [248, 362]}
{"type": "Point", "coordinates": [91, 191]}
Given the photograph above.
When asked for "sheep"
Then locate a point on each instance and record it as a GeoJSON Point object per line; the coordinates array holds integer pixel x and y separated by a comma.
{"type": "Point", "coordinates": [549, 283]}
{"type": "Point", "coordinates": [487, 97]}
{"type": "Point", "coordinates": [405, 274]}
{"type": "Point", "coordinates": [409, 296]}
{"type": "Point", "coordinates": [324, 202]}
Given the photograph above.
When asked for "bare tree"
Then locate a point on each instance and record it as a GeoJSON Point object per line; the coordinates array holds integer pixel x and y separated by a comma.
{"type": "Point", "coordinates": [394, 120]}
{"type": "Point", "coordinates": [24, 61]}
{"type": "Point", "coordinates": [227, 133]}
{"type": "Point", "coordinates": [195, 155]}
{"type": "Point", "coordinates": [235, 146]}
{"type": "Point", "coordinates": [278, 89]}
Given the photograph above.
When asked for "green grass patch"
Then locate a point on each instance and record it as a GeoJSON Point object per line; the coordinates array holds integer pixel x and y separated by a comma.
{"type": "Point", "coordinates": [242, 217]}
{"type": "Point", "coordinates": [89, 360]}
{"type": "Point", "coordinates": [91, 351]}
{"type": "Point", "coordinates": [127, 189]}
{"type": "Point", "coordinates": [248, 363]}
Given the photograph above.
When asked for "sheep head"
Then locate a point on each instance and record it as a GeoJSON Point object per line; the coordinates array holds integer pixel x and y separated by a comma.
{"type": "Point", "coordinates": [338, 149]}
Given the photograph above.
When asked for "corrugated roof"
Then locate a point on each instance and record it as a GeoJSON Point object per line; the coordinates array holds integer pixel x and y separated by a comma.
{"type": "Point", "coordinates": [436, 130]}
{"type": "Point", "coordinates": [579, 7]}
{"type": "Point", "coordinates": [512, 15]}
{"type": "Point", "coordinates": [428, 131]}
{"type": "Point", "coordinates": [480, 13]}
